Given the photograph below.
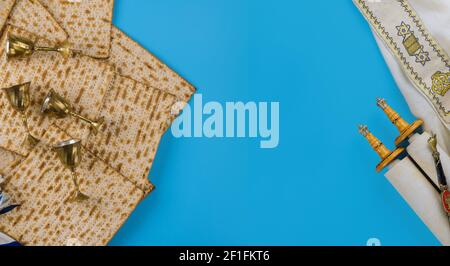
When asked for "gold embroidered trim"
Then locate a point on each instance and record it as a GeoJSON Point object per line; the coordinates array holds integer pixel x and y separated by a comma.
{"type": "Point", "coordinates": [399, 54]}
{"type": "Point", "coordinates": [441, 83]}
{"type": "Point", "coordinates": [412, 45]}
{"type": "Point", "coordinates": [431, 41]}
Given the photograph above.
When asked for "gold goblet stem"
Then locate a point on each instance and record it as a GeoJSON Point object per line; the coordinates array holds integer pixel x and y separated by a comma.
{"type": "Point", "coordinates": [82, 118]}
{"type": "Point", "coordinates": [30, 138]}
{"type": "Point", "coordinates": [66, 52]}
{"type": "Point", "coordinates": [46, 49]}
{"type": "Point", "coordinates": [79, 195]}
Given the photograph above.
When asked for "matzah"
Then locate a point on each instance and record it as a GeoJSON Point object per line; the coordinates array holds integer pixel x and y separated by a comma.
{"type": "Point", "coordinates": [88, 23]}
{"type": "Point", "coordinates": [47, 217]}
{"type": "Point", "coordinates": [83, 81]}
{"type": "Point", "coordinates": [6, 7]}
{"type": "Point", "coordinates": [136, 117]}
{"type": "Point", "coordinates": [133, 61]}
{"type": "Point", "coordinates": [31, 16]}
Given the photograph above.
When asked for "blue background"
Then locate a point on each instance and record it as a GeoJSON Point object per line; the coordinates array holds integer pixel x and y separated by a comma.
{"type": "Point", "coordinates": [319, 187]}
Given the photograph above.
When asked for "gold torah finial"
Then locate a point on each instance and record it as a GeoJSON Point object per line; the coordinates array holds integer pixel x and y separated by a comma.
{"type": "Point", "coordinates": [405, 129]}
{"type": "Point", "coordinates": [432, 142]}
{"type": "Point", "coordinates": [387, 156]}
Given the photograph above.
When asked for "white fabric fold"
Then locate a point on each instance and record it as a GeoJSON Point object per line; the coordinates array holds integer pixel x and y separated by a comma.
{"type": "Point", "coordinates": [423, 198]}
{"type": "Point", "coordinates": [7, 241]}
{"type": "Point", "coordinates": [419, 150]}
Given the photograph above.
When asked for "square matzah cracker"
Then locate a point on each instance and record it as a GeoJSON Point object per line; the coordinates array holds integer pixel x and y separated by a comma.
{"type": "Point", "coordinates": [44, 186]}
{"type": "Point", "coordinates": [31, 16]}
{"type": "Point", "coordinates": [6, 7]}
{"type": "Point", "coordinates": [136, 117]}
{"type": "Point", "coordinates": [82, 80]}
{"type": "Point", "coordinates": [88, 23]}
{"type": "Point", "coordinates": [133, 61]}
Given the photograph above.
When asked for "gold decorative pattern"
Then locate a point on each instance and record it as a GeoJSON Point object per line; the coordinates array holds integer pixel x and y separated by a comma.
{"type": "Point", "coordinates": [431, 41]}
{"type": "Point", "coordinates": [412, 44]}
{"type": "Point", "coordinates": [441, 83]}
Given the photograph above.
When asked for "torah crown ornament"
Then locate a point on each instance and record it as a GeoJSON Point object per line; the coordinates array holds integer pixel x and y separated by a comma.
{"type": "Point", "coordinates": [20, 47]}
{"type": "Point", "coordinates": [405, 129]}
{"type": "Point", "coordinates": [387, 156]}
{"type": "Point", "coordinates": [441, 83]}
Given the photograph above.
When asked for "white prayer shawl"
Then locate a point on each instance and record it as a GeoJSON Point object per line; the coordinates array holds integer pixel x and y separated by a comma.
{"type": "Point", "coordinates": [6, 204]}
{"type": "Point", "coordinates": [435, 14]}
{"type": "Point", "coordinates": [7, 241]}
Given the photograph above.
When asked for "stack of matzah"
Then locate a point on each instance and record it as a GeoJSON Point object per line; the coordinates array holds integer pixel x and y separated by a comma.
{"type": "Point", "coordinates": [111, 77]}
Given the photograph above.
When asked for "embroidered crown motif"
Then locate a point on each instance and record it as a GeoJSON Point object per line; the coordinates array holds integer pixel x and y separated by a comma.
{"type": "Point", "coordinates": [441, 83]}
{"type": "Point", "coordinates": [412, 45]}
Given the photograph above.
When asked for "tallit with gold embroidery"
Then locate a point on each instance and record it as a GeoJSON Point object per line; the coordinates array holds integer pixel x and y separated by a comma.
{"type": "Point", "coordinates": [415, 47]}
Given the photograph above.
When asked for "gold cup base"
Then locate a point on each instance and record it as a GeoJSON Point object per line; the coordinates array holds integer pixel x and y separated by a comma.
{"type": "Point", "coordinates": [32, 141]}
{"type": "Point", "coordinates": [408, 132]}
{"type": "Point", "coordinates": [389, 159]}
{"type": "Point", "coordinates": [79, 197]}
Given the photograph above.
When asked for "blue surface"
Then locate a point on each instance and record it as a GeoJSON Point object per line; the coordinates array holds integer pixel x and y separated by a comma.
{"type": "Point", "coordinates": [319, 187]}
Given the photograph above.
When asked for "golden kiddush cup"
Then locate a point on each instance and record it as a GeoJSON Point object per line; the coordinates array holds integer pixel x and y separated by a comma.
{"type": "Point", "coordinates": [387, 156]}
{"type": "Point", "coordinates": [55, 104]}
{"type": "Point", "coordinates": [405, 129]}
{"type": "Point", "coordinates": [19, 47]}
{"type": "Point", "coordinates": [69, 153]}
{"type": "Point", "coordinates": [19, 98]}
